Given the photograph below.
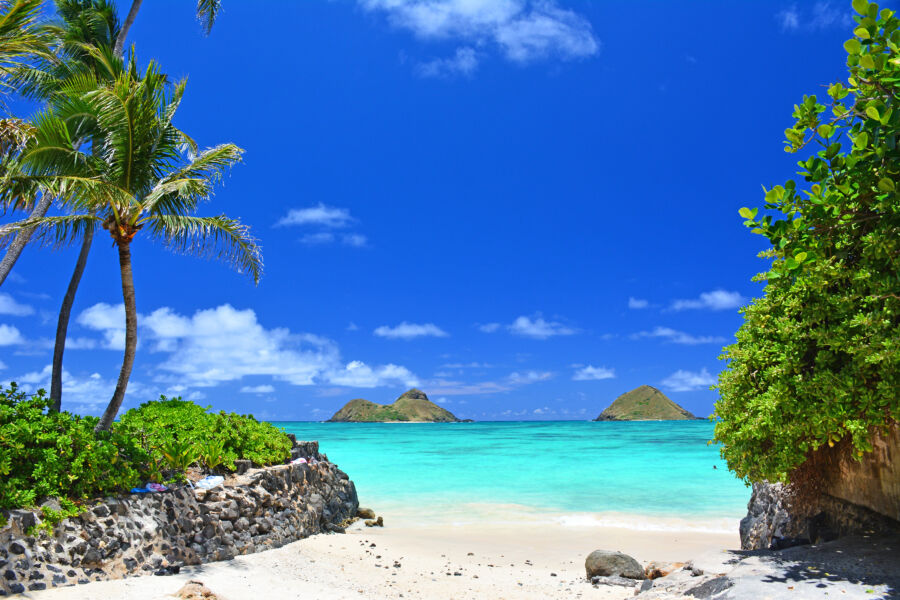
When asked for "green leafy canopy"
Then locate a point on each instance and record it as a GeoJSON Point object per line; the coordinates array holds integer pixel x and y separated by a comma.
{"type": "Point", "coordinates": [817, 359]}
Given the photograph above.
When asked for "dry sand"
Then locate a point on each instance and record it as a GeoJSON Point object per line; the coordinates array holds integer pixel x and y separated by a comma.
{"type": "Point", "coordinates": [480, 559]}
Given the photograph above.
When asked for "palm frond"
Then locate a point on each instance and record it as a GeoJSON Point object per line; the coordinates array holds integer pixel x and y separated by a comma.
{"type": "Point", "coordinates": [54, 232]}
{"type": "Point", "coordinates": [182, 190]}
{"type": "Point", "coordinates": [21, 38]}
{"type": "Point", "coordinates": [211, 237]}
{"type": "Point", "coordinates": [207, 11]}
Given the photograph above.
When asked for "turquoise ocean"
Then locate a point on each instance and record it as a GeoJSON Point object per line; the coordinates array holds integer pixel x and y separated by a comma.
{"type": "Point", "coordinates": [632, 474]}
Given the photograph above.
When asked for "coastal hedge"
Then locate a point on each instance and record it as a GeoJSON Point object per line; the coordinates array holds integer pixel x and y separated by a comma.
{"type": "Point", "coordinates": [48, 455]}
{"type": "Point", "coordinates": [816, 364]}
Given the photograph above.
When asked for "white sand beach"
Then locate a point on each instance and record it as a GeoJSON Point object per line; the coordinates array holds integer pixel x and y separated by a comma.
{"type": "Point", "coordinates": [475, 560]}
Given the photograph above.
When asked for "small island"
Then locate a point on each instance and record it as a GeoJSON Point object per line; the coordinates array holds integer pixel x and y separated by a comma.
{"type": "Point", "coordinates": [644, 403]}
{"type": "Point", "coordinates": [412, 407]}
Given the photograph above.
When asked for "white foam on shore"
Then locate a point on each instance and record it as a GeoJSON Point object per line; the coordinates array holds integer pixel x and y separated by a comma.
{"type": "Point", "coordinates": [505, 514]}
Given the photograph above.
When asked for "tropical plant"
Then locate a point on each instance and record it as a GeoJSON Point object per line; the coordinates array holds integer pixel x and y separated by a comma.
{"type": "Point", "coordinates": [145, 174]}
{"type": "Point", "coordinates": [207, 11]}
{"type": "Point", "coordinates": [179, 454]}
{"type": "Point", "coordinates": [212, 453]}
{"type": "Point", "coordinates": [816, 364]}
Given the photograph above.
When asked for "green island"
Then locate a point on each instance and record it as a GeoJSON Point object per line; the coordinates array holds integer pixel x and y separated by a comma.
{"type": "Point", "coordinates": [644, 403]}
{"type": "Point", "coordinates": [412, 407]}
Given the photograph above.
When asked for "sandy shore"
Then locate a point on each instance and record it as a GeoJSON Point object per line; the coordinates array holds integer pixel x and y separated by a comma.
{"type": "Point", "coordinates": [479, 559]}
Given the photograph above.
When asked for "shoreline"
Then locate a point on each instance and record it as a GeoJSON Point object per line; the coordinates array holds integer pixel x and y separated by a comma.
{"type": "Point", "coordinates": [436, 560]}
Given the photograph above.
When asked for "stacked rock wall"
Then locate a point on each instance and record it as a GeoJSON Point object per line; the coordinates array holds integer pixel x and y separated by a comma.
{"type": "Point", "coordinates": [139, 534]}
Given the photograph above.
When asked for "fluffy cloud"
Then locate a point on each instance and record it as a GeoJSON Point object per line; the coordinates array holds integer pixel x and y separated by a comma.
{"type": "Point", "coordinates": [223, 344]}
{"type": "Point", "coordinates": [316, 239]}
{"type": "Point", "coordinates": [464, 62]}
{"type": "Point", "coordinates": [538, 328]}
{"type": "Point", "coordinates": [637, 303]}
{"type": "Point", "coordinates": [355, 240]}
{"type": "Point", "coordinates": [687, 381]}
{"type": "Point", "coordinates": [679, 337]}
{"type": "Point", "coordinates": [108, 319]}
{"type": "Point", "coordinates": [589, 373]}
{"type": "Point", "coordinates": [321, 215]}
{"type": "Point", "coordinates": [489, 327]}
{"type": "Point", "coordinates": [9, 306]}
{"type": "Point", "coordinates": [10, 336]}
{"type": "Point", "coordinates": [408, 331]}
{"type": "Point", "coordinates": [523, 30]}
{"type": "Point", "coordinates": [257, 389]}
{"type": "Point", "coordinates": [714, 300]}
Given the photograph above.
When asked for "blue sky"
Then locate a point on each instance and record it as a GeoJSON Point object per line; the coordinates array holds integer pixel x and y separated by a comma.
{"type": "Point", "coordinates": [525, 208]}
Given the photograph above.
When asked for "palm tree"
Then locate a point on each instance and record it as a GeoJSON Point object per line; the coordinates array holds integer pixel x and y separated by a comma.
{"type": "Point", "coordinates": [143, 174]}
{"type": "Point", "coordinates": [207, 11]}
{"type": "Point", "coordinates": [83, 39]}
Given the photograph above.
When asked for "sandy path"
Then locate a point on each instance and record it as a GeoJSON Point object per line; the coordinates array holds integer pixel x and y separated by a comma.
{"type": "Point", "coordinates": [472, 561]}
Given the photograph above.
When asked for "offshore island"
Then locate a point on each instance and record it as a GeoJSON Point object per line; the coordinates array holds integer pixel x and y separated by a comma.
{"type": "Point", "coordinates": [644, 403]}
{"type": "Point", "coordinates": [411, 407]}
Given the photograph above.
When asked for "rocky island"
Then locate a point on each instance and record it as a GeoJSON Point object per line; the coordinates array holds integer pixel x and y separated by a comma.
{"type": "Point", "coordinates": [412, 407]}
{"type": "Point", "coordinates": [644, 403]}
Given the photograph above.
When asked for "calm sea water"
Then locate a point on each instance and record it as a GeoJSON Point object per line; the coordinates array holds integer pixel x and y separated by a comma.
{"type": "Point", "coordinates": [653, 469]}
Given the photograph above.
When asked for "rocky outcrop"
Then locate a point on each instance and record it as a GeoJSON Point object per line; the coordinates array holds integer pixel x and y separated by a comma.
{"type": "Point", "coordinates": [644, 403]}
{"type": "Point", "coordinates": [774, 521]}
{"type": "Point", "coordinates": [413, 406]}
{"type": "Point", "coordinates": [606, 563]}
{"type": "Point", "coordinates": [139, 534]}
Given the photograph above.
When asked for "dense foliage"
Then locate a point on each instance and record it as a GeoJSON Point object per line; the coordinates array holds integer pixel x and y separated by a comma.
{"type": "Point", "coordinates": [160, 424]}
{"type": "Point", "coordinates": [47, 455]}
{"type": "Point", "coordinates": [44, 454]}
{"type": "Point", "coordinates": [817, 359]}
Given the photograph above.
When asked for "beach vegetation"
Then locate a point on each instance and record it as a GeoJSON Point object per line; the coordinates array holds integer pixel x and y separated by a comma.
{"type": "Point", "coordinates": [816, 364]}
{"type": "Point", "coordinates": [58, 456]}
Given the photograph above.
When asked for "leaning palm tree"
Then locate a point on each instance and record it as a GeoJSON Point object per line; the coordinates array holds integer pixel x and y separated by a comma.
{"type": "Point", "coordinates": [83, 39]}
{"type": "Point", "coordinates": [207, 11]}
{"type": "Point", "coordinates": [144, 174]}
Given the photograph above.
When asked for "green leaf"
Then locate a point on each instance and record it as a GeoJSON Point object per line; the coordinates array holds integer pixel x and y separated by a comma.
{"type": "Point", "coordinates": [873, 113]}
{"type": "Point", "coordinates": [866, 61]}
{"type": "Point", "coordinates": [861, 141]}
{"type": "Point", "coordinates": [862, 33]}
{"type": "Point", "coordinates": [747, 213]}
{"type": "Point", "coordinates": [852, 46]}
{"type": "Point", "coordinates": [861, 6]}
{"type": "Point", "coordinates": [886, 185]}
{"type": "Point", "coordinates": [800, 257]}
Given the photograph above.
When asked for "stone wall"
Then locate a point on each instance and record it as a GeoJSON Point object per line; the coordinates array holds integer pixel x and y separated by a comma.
{"type": "Point", "coordinates": [139, 534]}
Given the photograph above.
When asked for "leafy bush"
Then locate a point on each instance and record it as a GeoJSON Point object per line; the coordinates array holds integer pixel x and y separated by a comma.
{"type": "Point", "coordinates": [58, 455]}
{"type": "Point", "coordinates": [817, 361]}
{"type": "Point", "coordinates": [156, 425]}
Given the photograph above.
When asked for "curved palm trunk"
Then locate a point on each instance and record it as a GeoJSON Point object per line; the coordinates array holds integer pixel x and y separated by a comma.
{"type": "Point", "coordinates": [62, 324]}
{"type": "Point", "coordinates": [129, 21]}
{"type": "Point", "coordinates": [130, 337]}
{"type": "Point", "coordinates": [18, 244]}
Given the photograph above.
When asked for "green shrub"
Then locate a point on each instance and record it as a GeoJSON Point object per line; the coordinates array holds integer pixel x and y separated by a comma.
{"type": "Point", "coordinates": [58, 455]}
{"type": "Point", "coordinates": [816, 363]}
{"type": "Point", "coordinates": [156, 424]}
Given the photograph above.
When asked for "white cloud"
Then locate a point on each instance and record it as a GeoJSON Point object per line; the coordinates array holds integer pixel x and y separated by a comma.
{"type": "Point", "coordinates": [321, 215]}
{"type": "Point", "coordinates": [680, 337]}
{"type": "Point", "coordinates": [464, 62]}
{"type": "Point", "coordinates": [538, 328]}
{"type": "Point", "coordinates": [788, 19]}
{"type": "Point", "coordinates": [224, 344]}
{"type": "Point", "coordinates": [9, 306]}
{"type": "Point", "coordinates": [408, 331]}
{"type": "Point", "coordinates": [714, 300]}
{"type": "Point", "coordinates": [489, 327]}
{"type": "Point", "coordinates": [590, 373]}
{"type": "Point", "coordinates": [529, 377]}
{"type": "Point", "coordinates": [359, 374]}
{"type": "Point", "coordinates": [108, 319]}
{"type": "Point", "coordinates": [317, 239]}
{"type": "Point", "coordinates": [10, 336]}
{"type": "Point", "coordinates": [523, 30]}
{"type": "Point", "coordinates": [687, 381]}
{"type": "Point", "coordinates": [355, 240]}
{"type": "Point", "coordinates": [637, 303]}
{"type": "Point", "coordinates": [470, 365]}
{"type": "Point", "coordinates": [257, 389]}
